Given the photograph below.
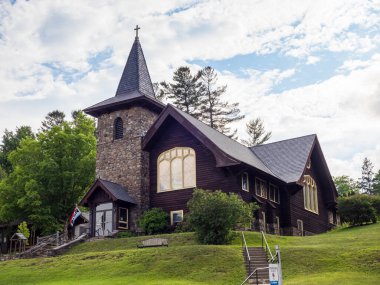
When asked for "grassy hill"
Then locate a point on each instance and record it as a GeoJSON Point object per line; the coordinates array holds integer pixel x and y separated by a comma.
{"type": "Point", "coordinates": [343, 256]}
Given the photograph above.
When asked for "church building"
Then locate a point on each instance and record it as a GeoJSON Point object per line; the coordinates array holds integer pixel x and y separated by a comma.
{"type": "Point", "coordinates": [153, 155]}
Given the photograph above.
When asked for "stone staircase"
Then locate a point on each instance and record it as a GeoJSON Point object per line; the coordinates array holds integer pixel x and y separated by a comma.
{"type": "Point", "coordinates": [259, 259]}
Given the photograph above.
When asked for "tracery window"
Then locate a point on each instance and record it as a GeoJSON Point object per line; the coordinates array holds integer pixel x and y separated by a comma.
{"type": "Point", "coordinates": [310, 194]}
{"type": "Point", "coordinates": [176, 169]}
{"type": "Point", "coordinates": [118, 129]}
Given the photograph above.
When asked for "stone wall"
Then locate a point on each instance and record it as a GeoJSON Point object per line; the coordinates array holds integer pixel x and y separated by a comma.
{"type": "Point", "coordinates": [122, 161]}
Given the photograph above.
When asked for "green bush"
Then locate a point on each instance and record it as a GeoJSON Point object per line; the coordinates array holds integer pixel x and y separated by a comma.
{"type": "Point", "coordinates": [184, 226]}
{"type": "Point", "coordinates": [154, 221]}
{"type": "Point", "coordinates": [376, 205]}
{"type": "Point", "coordinates": [213, 215]}
{"type": "Point", "coordinates": [23, 229]}
{"type": "Point", "coordinates": [357, 209]}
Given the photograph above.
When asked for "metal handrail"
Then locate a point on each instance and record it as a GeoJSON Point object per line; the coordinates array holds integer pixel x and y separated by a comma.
{"type": "Point", "coordinates": [254, 271]}
{"type": "Point", "coordinates": [244, 245]}
{"type": "Point", "coordinates": [267, 248]}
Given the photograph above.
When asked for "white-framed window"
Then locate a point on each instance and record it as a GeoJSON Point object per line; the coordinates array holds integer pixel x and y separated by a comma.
{"type": "Point", "coordinates": [310, 194]}
{"type": "Point", "coordinates": [123, 218]}
{"type": "Point", "coordinates": [261, 188]}
{"type": "Point", "coordinates": [300, 228]}
{"type": "Point", "coordinates": [245, 182]}
{"type": "Point", "coordinates": [176, 217]}
{"type": "Point", "coordinates": [274, 193]}
{"type": "Point", "coordinates": [176, 169]}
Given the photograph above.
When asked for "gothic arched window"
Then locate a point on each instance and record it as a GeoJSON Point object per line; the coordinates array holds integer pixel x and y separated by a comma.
{"type": "Point", "coordinates": [310, 194]}
{"type": "Point", "coordinates": [118, 129]}
{"type": "Point", "coordinates": [176, 169]}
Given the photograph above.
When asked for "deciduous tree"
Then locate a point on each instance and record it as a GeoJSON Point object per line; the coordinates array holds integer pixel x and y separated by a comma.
{"type": "Point", "coordinates": [346, 186]}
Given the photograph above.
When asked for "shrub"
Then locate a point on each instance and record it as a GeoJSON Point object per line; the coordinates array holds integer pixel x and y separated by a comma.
{"type": "Point", "coordinates": [154, 221]}
{"type": "Point", "coordinates": [357, 209]}
{"type": "Point", "coordinates": [213, 215]}
{"type": "Point", "coordinates": [23, 229]}
{"type": "Point", "coordinates": [376, 205]}
{"type": "Point", "coordinates": [184, 226]}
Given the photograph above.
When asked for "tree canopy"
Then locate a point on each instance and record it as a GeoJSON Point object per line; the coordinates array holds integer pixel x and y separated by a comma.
{"type": "Point", "coordinates": [346, 186]}
{"type": "Point", "coordinates": [51, 172]}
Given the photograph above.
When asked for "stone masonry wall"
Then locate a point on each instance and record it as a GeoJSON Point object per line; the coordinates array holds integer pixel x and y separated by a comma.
{"type": "Point", "coordinates": [122, 161]}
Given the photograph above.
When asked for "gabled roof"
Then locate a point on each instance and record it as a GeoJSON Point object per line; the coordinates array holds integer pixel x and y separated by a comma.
{"type": "Point", "coordinates": [135, 86]}
{"type": "Point", "coordinates": [226, 151]}
{"type": "Point", "coordinates": [114, 190]}
{"type": "Point", "coordinates": [286, 159]}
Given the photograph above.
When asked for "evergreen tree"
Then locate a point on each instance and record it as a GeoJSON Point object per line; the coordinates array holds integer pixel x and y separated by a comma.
{"type": "Point", "coordinates": [11, 141]}
{"type": "Point", "coordinates": [376, 184]}
{"type": "Point", "coordinates": [53, 118]}
{"type": "Point", "coordinates": [366, 180]}
{"type": "Point", "coordinates": [184, 91]}
{"type": "Point", "coordinates": [256, 132]}
{"type": "Point", "coordinates": [216, 113]}
{"type": "Point", "coordinates": [159, 93]}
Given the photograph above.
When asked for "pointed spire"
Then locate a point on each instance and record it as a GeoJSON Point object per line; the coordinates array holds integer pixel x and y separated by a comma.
{"type": "Point", "coordinates": [135, 76]}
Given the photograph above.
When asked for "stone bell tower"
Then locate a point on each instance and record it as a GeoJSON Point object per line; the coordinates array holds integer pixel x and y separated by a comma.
{"type": "Point", "coordinates": [122, 121]}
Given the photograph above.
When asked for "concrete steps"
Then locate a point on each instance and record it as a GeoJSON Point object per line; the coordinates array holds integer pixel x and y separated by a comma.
{"type": "Point", "coordinates": [259, 259]}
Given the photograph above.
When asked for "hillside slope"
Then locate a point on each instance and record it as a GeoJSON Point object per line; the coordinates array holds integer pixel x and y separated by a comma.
{"type": "Point", "coordinates": [344, 256]}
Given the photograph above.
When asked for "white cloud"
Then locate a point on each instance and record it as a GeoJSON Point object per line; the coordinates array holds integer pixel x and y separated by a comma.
{"type": "Point", "coordinates": [66, 34]}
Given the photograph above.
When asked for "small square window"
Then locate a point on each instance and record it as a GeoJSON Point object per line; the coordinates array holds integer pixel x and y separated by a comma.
{"type": "Point", "coordinates": [176, 217]}
{"type": "Point", "coordinates": [123, 218]}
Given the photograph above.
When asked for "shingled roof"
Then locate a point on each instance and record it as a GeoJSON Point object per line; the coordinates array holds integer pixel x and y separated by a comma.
{"type": "Point", "coordinates": [135, 86]}
{"type": "Point", "coordinates": [114, 190]}
{"type": "Point", "coordinates": [286, 159]}
{"type": "Point", "coordinates": [231, 152]}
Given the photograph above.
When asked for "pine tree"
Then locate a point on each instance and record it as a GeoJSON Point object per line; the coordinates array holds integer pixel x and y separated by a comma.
{"type": "Point", "coordinates": [53, 118]}
{"type": "Point", "coordinates": [366, 180]}
{"type": "Point", "coordinates": [184, 91]}
{"type": "Point", "coordinates": [256, 132]}
{"type": "Point", "coordinates": [376, 183]}
{"type": "Point", "coordinates": [216, 113]}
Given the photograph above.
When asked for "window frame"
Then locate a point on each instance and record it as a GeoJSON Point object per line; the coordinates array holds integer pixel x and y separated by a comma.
{"type": "Point", "coordinates": [245, 174]}
{"type": "Point", "coordinates": [172, 215]}
{"type": "Point", "coordinates": [168, 153]}
{"type": "Point", "coordinates": [123, 222]}
{"type": "Point", "coordinates": [300, 232]}
{"type": "Point", "coordinates": [310, 193]}
{"type": "Point", "coordinates": [117, 130]}
{"type": "Point", "coordinates": [276, 189]}
{"type": "Point", "coordinates": [257, 183]}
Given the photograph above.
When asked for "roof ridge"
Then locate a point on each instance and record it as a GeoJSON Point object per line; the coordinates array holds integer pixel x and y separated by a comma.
{"type": "Point", "coordinates": [280, 141]}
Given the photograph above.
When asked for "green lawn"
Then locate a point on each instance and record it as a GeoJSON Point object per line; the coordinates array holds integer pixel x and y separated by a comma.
{"type": "Point", "coordinates": [343, 256]}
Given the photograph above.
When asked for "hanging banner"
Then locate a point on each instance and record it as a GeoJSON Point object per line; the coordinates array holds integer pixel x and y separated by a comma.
{"type": "Point", "coordinates": [273, 274]}
{"type": "Point", "coordinates": [76, 213]}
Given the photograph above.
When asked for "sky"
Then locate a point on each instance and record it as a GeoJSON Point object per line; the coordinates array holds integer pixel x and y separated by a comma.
{"type": "Point", "coordinates": [303, 67]}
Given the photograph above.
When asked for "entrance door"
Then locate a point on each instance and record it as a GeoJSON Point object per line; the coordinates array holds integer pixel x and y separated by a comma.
{"type": "Point", "coordinates": [103, 219]}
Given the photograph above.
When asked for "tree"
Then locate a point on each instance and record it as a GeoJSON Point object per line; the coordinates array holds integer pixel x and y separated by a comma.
{"type": "Point", "coordinates": [154, 221]}
{"type": "Point", "coordinates": [159, 93]}
{"type": "Point", "coordinates": [256, 133]}
{"type": "Point", "coordinates": [184, 91]}
{"type": "Point", "coordinates": [357, 209]}
{"type": "Point", "coordinates": [213, 215]}
{"type": "Point", "coordinates": [11, 141]}
{"type": "Point", "coordinates": [23, 229]}
{"type": "Point", "coordinates": [346, 186]}
{"type": "Point", "coordinates": [216, 113]}
{"type": "Point", "coordinates": [366, 180]}
{"type": "Point", "coordinates": [53, 118]}
{"type": "Point", "coordinates": [51, 173]}
{"type": "Point", "coordinates": [376, 183]}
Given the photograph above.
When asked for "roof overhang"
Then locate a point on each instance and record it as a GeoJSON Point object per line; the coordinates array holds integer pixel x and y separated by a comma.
{"type": "Point", "coordinates": [99, 184]}
{"type": "Point", "coordinates": [123, 101]}
{"type": "Point", "coordinates": [222, 159]}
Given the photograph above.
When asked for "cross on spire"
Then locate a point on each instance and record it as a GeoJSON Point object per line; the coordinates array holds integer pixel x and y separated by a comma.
{"type": "Point", "coordinates": [137, 30]}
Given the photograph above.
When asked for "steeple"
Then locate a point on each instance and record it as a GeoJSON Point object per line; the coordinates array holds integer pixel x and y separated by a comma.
{"type": "Point", "coordinates": [135, 76]}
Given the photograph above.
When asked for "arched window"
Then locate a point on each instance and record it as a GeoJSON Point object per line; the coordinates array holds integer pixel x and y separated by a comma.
{"type": "Point", "coordinates": [310, 194]}
{"type": "Point", "coordinates": [118, 128]}
{"type": "Point", "coordinates": [176, 169]}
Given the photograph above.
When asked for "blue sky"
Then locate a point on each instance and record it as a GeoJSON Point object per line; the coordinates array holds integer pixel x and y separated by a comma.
{"type": "Point", "coordinates": [302, 66]}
